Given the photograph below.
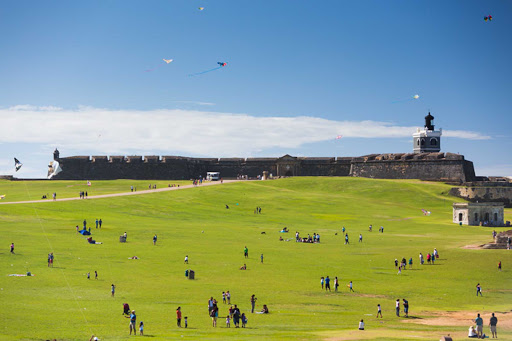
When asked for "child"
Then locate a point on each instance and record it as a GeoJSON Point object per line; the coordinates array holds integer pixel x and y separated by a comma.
{"type": "Point", "coordinates": [88, 275]}
{"type": "Point", "coordinates": [223, 297]}
{"type": "Point", "coordinates": [499, 266]}
{"type": "Point", "coordinates": [350, 286]}
{"type": "Point", "coordinates": [399, 270]}
{"type": "Point", "coordinates": [322, 282]}
{"type": "Point", "coordinates": [228, 324]}
{"type": "Point", "coordinates": [141, 328]}
{"type": "Point", "coordinates": [186, 259]}
{"type": "Point", "coordinates": [113, 290]}
{"type": "Point", "coordinates": [361, 325]}
{"type": "Point", "coordinates": [186, 322]}
{"type": "Point", "coordinates": [244, 320]}
{"type": "Point", "coordinates": [228, 297]}
{"type": "Point", "coordinates": [379, 311]}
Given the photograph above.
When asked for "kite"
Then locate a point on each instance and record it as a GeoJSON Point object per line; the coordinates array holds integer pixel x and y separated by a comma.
{"type": "Point", "coordinates": [167, 61]}
{"type": "Point", "coordinates": [88, 183]}
{"type": "Point", "coordinates": [53, 169]}
{"type": "Point", "coordinates": [201, 8]}
{"type": "Point", "coordinates": [339, 137]}
{"type": "Point", "coordinates": [489, 17]}
{"type": "Point", "coordinates": [17, 164]}
{"type": "Point", "coordinates": [425, 212]}
{"type": "Point", "coordinates": [221, 65]}
{"type": "Point", "coordinates": [407, 100]}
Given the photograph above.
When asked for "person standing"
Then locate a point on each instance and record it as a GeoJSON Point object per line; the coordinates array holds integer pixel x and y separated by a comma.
{"type": "Point", "coordinates": [410, 263]}
{"type": "Point", "coordinates": [397, 307]}
{"type": "Point", "coordinates": [253, 303]}
{"type": "Point", "coordinates": [178, 316]}
{"type": "Point", "coordinates": [246, 252]}
{"type": "Point", "coordinates": [492, 324]}
{"type": "Point", "coordinates": [327, 283]}
{"type": "Point", "coordinates": [141, 328]}
{"type": "Point", "coordinates": [154, 239]}
{"type": "Point", "coordinates": [101, 222]}
{"type": "Point", "coordinates": [406, 307]}
{"type": "Point", "coordinates": [95, 274]}
{"type": "Point", "coordinates": [379, 311]}
{"type": "Point", "coordinates": [346, 238]}
{"type": "Point", "coordinates": [228, 297]}
{"type": "Point", "coordinates": [97, 222]}
{"type": "Point", "coordinates": [261, 257]}
{"type": "Point", "coordinates": [421, 259]}
{"type": "Point", "coordinates": [186, 259]}
{"type": "Point", "coordinates": [350, 286]}
{"type": "Point", "coordinates": [51, 259]}
{"type": "Point", "coordinates": [133, 321]}
{"type": "Point", "coordinates": [499, 266]}
{"type": "Point", "coordinates": [336, 284]}
{"type": "Point", "coordinates": [479, 326]}
{"type": "Point", "coordinates": [85, 224]}
{"type": "Point", "coordinates": [360, 238]}
{"type": "Point", "coordinates": [478, 289]}
{"type": "Point", "coordinates": [186, 322]}
{"type": "Point", "coordinates": [113, 291]}
{"type": "Point", "coordinates": [322, 282]}
{"type": "Point", "coordinates": [210, 305]}
{"type": "Point", "coordinates": [236, 316]}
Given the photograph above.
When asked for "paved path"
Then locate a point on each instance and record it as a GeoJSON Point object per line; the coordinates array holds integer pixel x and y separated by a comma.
{"type": "Point", "coordinates": [163, 189]}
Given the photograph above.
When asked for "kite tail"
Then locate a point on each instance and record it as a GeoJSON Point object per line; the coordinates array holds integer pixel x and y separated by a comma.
{"type": "Point", "coordinates": [403, 100]}
{"type": "Point", "coordinates": [200, 73]}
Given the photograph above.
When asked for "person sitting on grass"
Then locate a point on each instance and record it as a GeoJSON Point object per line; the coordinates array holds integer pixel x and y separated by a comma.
{"type": "Point", "coordinates": [264, 310]}
{"type": "Point", "coordinates": [361, 325]}
{"type": "Point", "coordinates": [472, 332]}
{"type": "Point", "coordinates": [243, 267]}
{"type": "Point", "coordinates": [126, 309]}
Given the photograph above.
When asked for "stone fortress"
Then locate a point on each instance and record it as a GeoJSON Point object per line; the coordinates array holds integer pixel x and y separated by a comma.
{"type": "Point", "coordinates": [427, 162]}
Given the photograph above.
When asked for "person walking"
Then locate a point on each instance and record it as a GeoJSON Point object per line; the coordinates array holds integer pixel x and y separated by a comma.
{"type": "Point", "coordinates": [492, 324]}
{"type": "Point", "coordinates": [327, 283]}
{"type": "Point", "coordinates": [253, 303]}
{"type": "Point", "coordinates": [322, 282]}
{"type": "Point", "coordinates": [397, 307]}
{"type": "Point", "coordinates": [100, 222]}
{"type": "Point", "coordinates": [351, 286]}
{"type": "Point", "coordinates": [379, 311]}
{"type": "Point", "coordinates": [154, 239]}
{"type": "Point", "coordinates": [478, 289]}
{"type": "Point", "coordinates": [360, 238]}
{"type": "Point", "coordinates": [178, 316]}
{"type": "Point", "coordinates": [95, 274]}
{"type": "Point", "coordinates": [236, 316]}
{"type": "Point", "coordinates": [410, 263]}
{"type": "Point", "coordinates": [97, 222]}
{"type": "Point", "coordinates": [346, 239]}
{"type": "Point", "coordinates": [261, 257]}
{"type": "Point", "coordinates": [422, 261]}
{"type": "Point", "coordinates": [499, 266]}
{"type": "Point", "coordinates": [479, 326]}
{"type": "Point", "coordinates": [336, 284]}
{"type": "Point", "coordinates": [246, 252]}
{"type": "Point", "coordinates": [113, 290]}
{"type": "Point", "coordinates": [186, 259]}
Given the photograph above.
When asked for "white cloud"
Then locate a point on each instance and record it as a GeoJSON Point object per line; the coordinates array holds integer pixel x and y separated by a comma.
{"type": "Point", "coordinates": [186, 132]}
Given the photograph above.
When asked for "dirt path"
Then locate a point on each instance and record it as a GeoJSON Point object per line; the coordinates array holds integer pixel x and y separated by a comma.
{"type": "Point", "coordinates": [164, 189]}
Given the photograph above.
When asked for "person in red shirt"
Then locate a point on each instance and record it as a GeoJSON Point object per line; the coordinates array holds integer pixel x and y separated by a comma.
{"type": "Point", "coordinates": [178, 316]}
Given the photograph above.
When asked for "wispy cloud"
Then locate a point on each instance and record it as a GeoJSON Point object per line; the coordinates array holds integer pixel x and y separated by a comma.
{"type": "Point", "coordinates": [196, 103]}
{"type": "Point", "coordinates": [187, 132]}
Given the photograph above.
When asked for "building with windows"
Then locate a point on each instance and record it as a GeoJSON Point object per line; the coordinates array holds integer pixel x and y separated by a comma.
{"type": "Point", "coordinates": [474, 214]}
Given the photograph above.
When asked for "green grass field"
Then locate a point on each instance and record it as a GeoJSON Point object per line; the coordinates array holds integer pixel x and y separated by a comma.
{"type": "Point", "coordinates": [62, 303]}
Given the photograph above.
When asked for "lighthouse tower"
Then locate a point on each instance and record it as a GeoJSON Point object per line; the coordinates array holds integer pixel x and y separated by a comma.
{"type": "Point", "coordinates": [427, 140]}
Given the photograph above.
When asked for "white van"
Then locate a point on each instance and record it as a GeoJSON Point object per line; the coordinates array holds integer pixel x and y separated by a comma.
{"type": "Point", "coordinates": [212, 176]}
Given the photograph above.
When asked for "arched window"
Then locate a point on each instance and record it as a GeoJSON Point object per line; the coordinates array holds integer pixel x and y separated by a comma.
{"type": "Point", "coordinates": [460, 216]}
{"type": "Point", "coordinates": [433, 142]}
{"type": "Point", "coordinates": [422, 142]}
{"type": "Point", "coordinates": [476, 216]}
{"type": "Point", "coordinates": [418, 142]}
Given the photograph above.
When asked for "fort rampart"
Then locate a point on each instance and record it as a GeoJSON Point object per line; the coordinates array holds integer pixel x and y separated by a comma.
{"type": "Point", "coordinates": [425, 166]}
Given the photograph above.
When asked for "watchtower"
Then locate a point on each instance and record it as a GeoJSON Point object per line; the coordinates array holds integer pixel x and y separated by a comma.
{"type": "Point", "coordinates": [427, 140]}
{"type": "Point", "coordinates": [56, 154]}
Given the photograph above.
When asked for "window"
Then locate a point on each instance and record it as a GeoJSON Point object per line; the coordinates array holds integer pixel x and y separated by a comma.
{"type": "Point", "coordinates": [433, 142]}
{"type": "Point", "coordinates": [460, 216]}
{"type": "Point", "coordinates": [487, 217]}
{"type": "Point", "coordinates": [422, 142]}
{"type": "Point", "coordinates": [495, 216]}
{"type": "Point", "coordinates": [418, 142]}
{"type": "Point", "coordinates": [476, 216]}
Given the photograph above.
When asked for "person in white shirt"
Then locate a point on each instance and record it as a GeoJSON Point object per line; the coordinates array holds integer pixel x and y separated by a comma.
{"type": "Point", "coordinates": [361, 325]}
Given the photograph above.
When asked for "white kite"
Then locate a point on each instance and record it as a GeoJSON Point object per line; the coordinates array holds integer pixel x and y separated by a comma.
{"type": "Point", "coordinates": [167, 60]}
{"type": "Point", "coordinates": [54, 169]}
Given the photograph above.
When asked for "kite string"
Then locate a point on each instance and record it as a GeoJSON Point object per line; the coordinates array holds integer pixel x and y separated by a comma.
{"type": "Point", "coordinates": [200, 73]}
{"type": "Point", "coordinates": [61, 270]}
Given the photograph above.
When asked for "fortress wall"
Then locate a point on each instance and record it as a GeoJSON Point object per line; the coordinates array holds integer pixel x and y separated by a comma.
{"type": "Point", "coordinates": [442, 169]}
{"type": "Point", "coordinates": [484, 194]}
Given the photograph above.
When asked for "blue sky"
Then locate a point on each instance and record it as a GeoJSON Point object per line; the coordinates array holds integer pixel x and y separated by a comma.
{"type": "Point", "coordinates": [299, 73]}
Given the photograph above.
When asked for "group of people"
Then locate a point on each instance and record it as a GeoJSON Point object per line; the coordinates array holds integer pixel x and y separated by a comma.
{"type": "Point", "coordinates": [431, 257]}
{"type": "Point", "coordinates": [83, 194]}
{"type": "Point", "coordinates": [50, 260]}
{"type": "Point", "coordinates": [478, 333]}
{"type": "Point", "coordinates": [257, 210]}
{"type": "Point", "coordinates": [325, 282]}
{"type": "Point", "coordinates": [309, 239]}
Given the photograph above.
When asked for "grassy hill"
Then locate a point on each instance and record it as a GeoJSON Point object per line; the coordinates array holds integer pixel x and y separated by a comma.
{"type": "Point", "coordinates": [62, 303]}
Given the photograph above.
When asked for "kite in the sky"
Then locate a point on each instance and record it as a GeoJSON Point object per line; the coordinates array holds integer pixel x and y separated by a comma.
{"type": "Point", "coordinates": [339, 137]}
{"type": "Point", "coordinates": [167, 61]}
{"type": "Point", "coordinates": [489, 17]}
{"type": "Point", "coordinates": [201, 8]}
{"type": "Point", "coordinates": [409, 99]}
{"type": "Point", "coordinates": [221, 65]}
{"type": "Point", "coordinates": [53, 169]}
{"type": "Point", "coordinates": [17, 164]}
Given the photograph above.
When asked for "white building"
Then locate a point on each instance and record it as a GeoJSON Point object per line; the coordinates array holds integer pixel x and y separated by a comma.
{"type": "Point", "coordinates": [486, 213]}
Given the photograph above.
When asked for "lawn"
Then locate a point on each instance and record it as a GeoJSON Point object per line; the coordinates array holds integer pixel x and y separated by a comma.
{"type": "Point", "coordinates": [61, 303]}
